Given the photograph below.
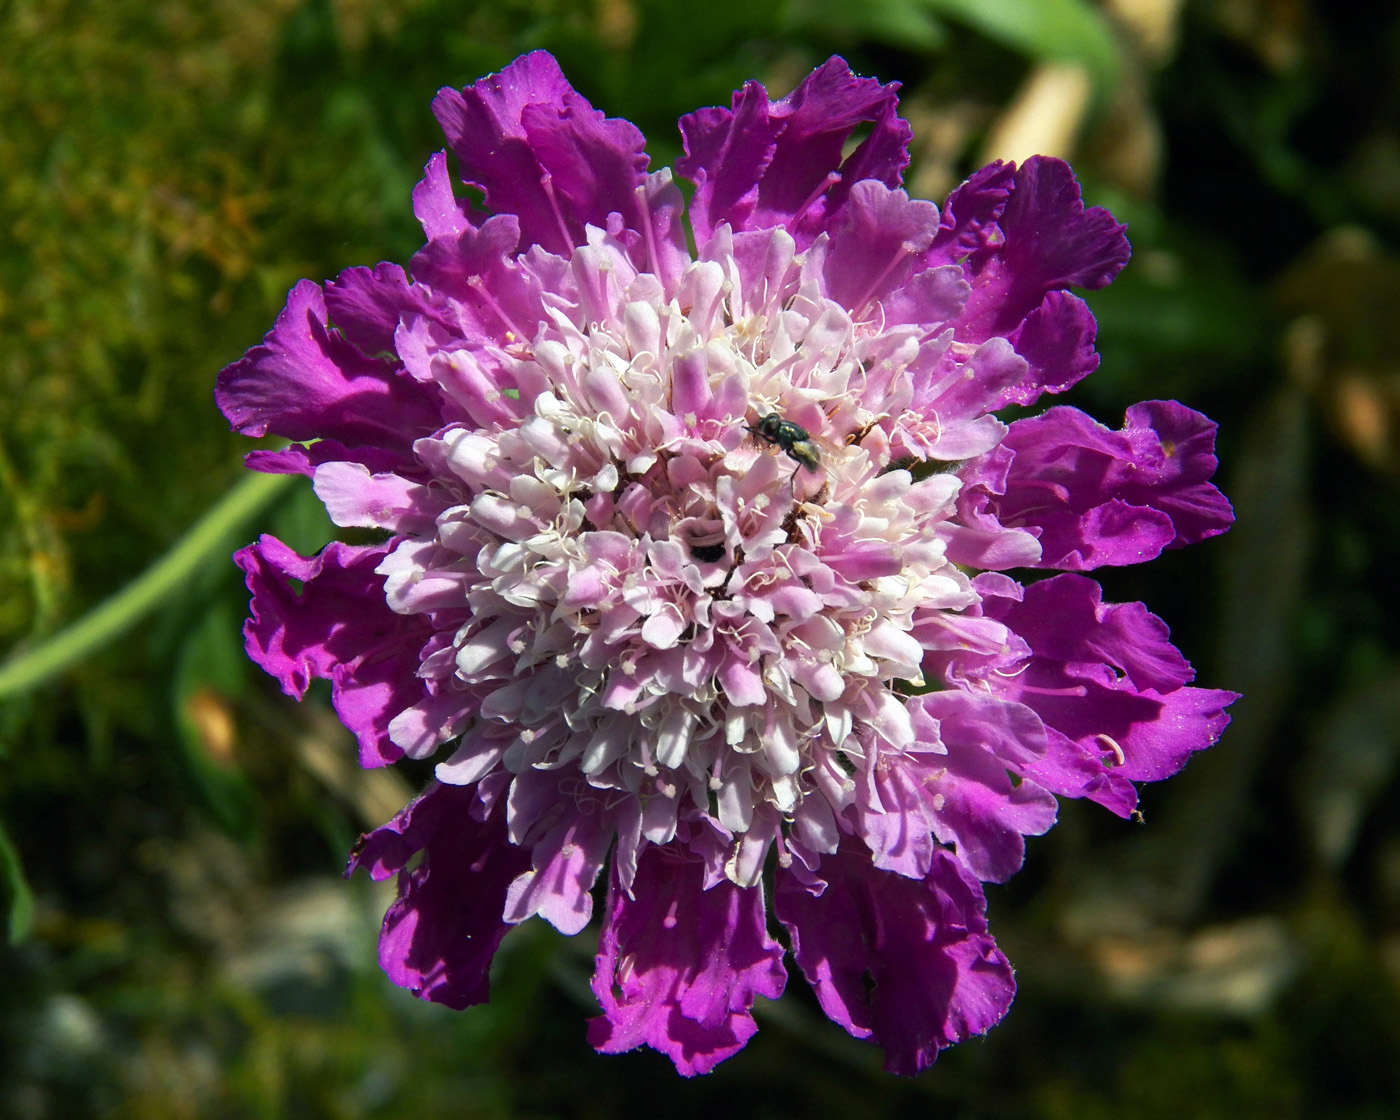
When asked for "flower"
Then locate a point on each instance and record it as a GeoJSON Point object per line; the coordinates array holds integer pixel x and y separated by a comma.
{"type": "Point", "coordinates": [693, 562]}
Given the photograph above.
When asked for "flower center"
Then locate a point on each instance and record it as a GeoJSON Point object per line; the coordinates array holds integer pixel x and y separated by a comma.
{"type": "Point", "coordinates": [689, 574]}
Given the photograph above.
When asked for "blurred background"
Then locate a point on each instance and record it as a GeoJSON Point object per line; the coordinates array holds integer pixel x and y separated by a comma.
{"type": "Point", "coordinates": [172, 829]}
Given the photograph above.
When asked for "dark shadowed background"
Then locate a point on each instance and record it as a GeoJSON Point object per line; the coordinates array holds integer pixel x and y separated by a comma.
{"type": "Point", "coordinates": [172, 828]}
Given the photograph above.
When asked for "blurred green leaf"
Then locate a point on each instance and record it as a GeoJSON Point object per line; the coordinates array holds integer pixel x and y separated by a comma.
{"type": "Point", "coordinates": [19, 900]}
{"type": "Point", "coordinates": [908, 24]}
{"type": "Point", "coordinates": [301, 521]}
{"type": "Point", "coordinates": [186, 561]}
{"type": "Point", "coordinates": [209, 673]}
{"type": "Point", "coordinates": [1048, 30]}
{"type": "Point", "coordinates": [1353, 759]}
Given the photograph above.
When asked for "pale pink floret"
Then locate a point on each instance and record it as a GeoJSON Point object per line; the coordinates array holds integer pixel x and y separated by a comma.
{"type": "Point", "coordinates": [600, 630]}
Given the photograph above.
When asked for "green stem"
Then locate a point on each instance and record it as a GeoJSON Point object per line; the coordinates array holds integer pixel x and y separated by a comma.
{"type": "Point", "coordinates": [102, 624]}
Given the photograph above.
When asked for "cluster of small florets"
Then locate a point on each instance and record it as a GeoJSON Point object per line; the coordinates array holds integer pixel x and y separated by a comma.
{"type": "Point", "coordinates": [693, 564]}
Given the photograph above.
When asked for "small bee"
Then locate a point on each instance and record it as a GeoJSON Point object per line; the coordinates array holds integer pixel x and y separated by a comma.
{"type": "Point", "coordinates": [794, 439]}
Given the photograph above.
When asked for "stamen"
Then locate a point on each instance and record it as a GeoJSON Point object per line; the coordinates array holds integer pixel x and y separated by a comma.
{"type": "Point", "coordinates": [479, 286]}
{"type": "Point", "coordinates": [708, 318]}
{"type": "Point", "coordinates": [1111, 745]}
{"type": "Point", "coordinates": [547, 182]}
{"type": "Point", "coordinates": [648, 231]}
{"type": "Point", "coordinates": [906, 249]}
{"type": "Point", "coordinates": [784, 855]}
{"type": "Point", "coordinates": [832, 178]}
{"type": "Point", "coordinates": [1038, 690]}
{"type": "Point", "coordinates": [594, 284]}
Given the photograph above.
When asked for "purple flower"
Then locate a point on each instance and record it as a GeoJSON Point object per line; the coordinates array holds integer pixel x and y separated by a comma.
{"type": "Point", "coordinates": [679, 569]}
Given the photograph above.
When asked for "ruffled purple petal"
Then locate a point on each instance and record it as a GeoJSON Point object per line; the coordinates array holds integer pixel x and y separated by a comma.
{"type": "Point", "coordinates": [727, 152]}
{"type": "Point", "coordinates": [337, 626]}
{"type": "Point", "coordinates": [955, 785]}
{"type": "Point", "coordinates": [436, 205]}
{"type": "Point", "coordinates": [930, 298]}
{"type": "Point", "coordinates": [366, 306]}
{"type": "Point", "coordinates": [1181, 488]}
{"type": "Point", "coordinates": [442, 931]}
{"type": "Point", "coordinates": [292, 633]}
{"type": "Point", "coordinates": [679, 966]}
{"type": "Point", "coordinates": [979, 809]}
{"type": "Point", "coordinates": [1109, 686]}
{"type": "Point", "coordinates": [1057, 341]}
{"type": "Point", "coordinates": [970, 232]}
{"type": "Point", "coordinates": [908, 962]}
{"type": "Point", "coordinates": [541, 152]}
{"type": "Point", "coordinates": [307, 381]}
{"type": "Point", "coordinates": [874, 242]}
{"type": "Point", "coordinates": [761, 164]}
{"type": "Point", "coordinates": [1050, 242]}
{"type": "Point", "coordinates": [1099, 497]}
{"type": "Point", "coordinates": [565, 862]}
{"type": "Point", "coordinates": [470, 265]}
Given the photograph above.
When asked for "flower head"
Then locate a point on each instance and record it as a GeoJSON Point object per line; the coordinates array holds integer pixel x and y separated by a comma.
{"type": "Point", "coordinates": [693, 560]}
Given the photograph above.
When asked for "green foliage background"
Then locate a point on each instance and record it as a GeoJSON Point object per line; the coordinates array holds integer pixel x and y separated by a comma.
{"type": "Point", "coordinates": [171, 826]}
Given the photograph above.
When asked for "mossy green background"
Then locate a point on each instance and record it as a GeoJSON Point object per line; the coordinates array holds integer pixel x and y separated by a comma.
{"type": "Point", "coordinates": [172, 827]}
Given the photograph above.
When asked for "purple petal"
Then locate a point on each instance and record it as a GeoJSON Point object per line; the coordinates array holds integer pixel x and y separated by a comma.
{"type": "Point", "coordinates": [878, 235]}
{"type": "Point", "coordinates": [306, 381]}
{"type": "Point", "coordinates": [881, 156]}
{"type": "Point", "coordinates": [540, 151]}
{"type": "Point", "coordinates": [366, 306]}
{"type": "Point", "coordinates": [1109, 685]}
{"type": "Point", "coordinates": [355, 497]}
{"type": "Point", "coordinates": [1065, 618]}
{"type": "Point", "coordinates": [471, 375]}
{"type": "Point", "coordinates": [894, 814]}
{"type": "Point", "coordinates": [440, 934]}
{"type": "Point", "coordinates": [727, 152]}
{"type": "Point", "coordinates": [1181, 489]}
{"type": "Point", "coordinates": [981, 810]}
{"type": "Point", "coordinates": [662, 249]}
{"type": "Point", "coordinates": [1100, 497]}
{"type": "Point", "coordinates": [931, 297]}
{"type": "Point", "coordinates": [967, 389]}
{"type": "Point", "coordinates": [1074, 769]}
{"type": "Point", "coordinates": [337, 627]}
{"type": "Point", "coordinates": [299, 458]}
{"type": "Point", "coordinates": [1051, 242]}
{"type": "Point", "coordinates": [762, 164]}
{"type": "Point", "coordinates": [484, 254]}
{"type": "Point", "coordinates": [564, 865]}
{"type": "Point", "coordinates": [292, 633]}
{"type": "Point", "coordinates": [679, 966]}
{"type": "Point", "coordinates": [1051, 235]}
{"type": "Point", "coordinates": [435, 205]}
{"type": "Point", "coordinates": [907, 962]}
{"type": "Point", "coordinates": [1057, 341]}
{"type": "Point", "coordinates": [956, 786]}
{"type": "Point", "coordinates": [970, 230]}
